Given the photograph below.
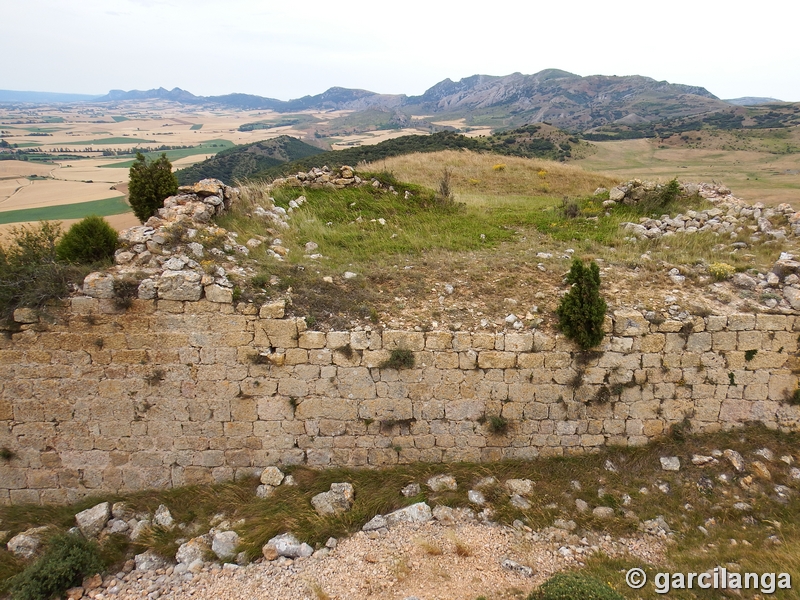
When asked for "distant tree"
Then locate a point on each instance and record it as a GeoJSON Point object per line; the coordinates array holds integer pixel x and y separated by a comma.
{"type": "Point", "coordinates": [150, 183]}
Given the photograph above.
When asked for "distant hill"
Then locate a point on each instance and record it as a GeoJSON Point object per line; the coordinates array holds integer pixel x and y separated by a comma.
{"type": "Point", "coordinates": [598, 106]}
{"type": "Point", "coordinates": [539, 140]}
{"type": "Point", "coordinates": [752, 101]}
{"type": "Point", "coordinates": [241, 162]}
{"type": "Point", "coordinates": [11, 97]}
{"type": "Point", "coordinates": [566, 100]}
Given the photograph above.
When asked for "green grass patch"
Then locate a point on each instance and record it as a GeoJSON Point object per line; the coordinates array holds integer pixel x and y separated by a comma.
{"type": "Point", "coordinates": [27, 144]}
{"type": "Point", "coordinates": [101, 208]}
{"type": "Point", "coordinates": [196, 127]}
{"type": "Point", "coordinates": [120, 118]}
{"type": "Point", "coordinates": [346, 223]}
{"type": "Point", "coordinates": [210, 147]}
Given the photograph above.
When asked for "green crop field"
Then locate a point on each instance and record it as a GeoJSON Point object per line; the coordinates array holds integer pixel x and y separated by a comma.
{"type": "Point", "coordinates": [101, 208]}
{"type": "Point", "coordinates": [120, 119]}
{"type": "Point", "coordinates": [213, 146]}
{"type": "Point", "coordinates": [196, 127]}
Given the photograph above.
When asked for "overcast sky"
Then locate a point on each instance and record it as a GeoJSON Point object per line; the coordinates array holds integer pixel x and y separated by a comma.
{"type": "Point", "coordinates": [288, 49]}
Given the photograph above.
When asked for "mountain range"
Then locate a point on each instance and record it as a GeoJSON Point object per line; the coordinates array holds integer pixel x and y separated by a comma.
{"type": "Point", "coordinates": [566, 100]}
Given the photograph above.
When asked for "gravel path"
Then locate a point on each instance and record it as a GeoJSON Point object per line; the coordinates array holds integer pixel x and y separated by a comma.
{"type": "Point", "coordinates": [431, 561]}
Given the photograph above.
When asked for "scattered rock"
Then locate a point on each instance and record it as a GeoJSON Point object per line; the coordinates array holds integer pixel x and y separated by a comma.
{"type": "Point", "coordinates": [195, 549]}
{"type": "Point", "coordinates": [760, 470]}
{"type": "Point", "coordinates": [264, 491]}
{"type": "Point", "coordinates": [336, 501]}
{"type": "Point", "coordinates": [27, 544]}
{"type": "Point", "coordinates": [92, 520]}
{"type": "Point", "coordinates": [476, 497]}
{"type": "Point", "coordinates": [149, 561]}
{"type": "Point", "coordinates": [670, 463]}
{"type": "Point", "coordinates": [522, 487]}
{"type": "Point", "coordinates": [287, 545]}
{"type": "Point", "coordinates": [603, 512]}
{"type": "Point", "coordinates": [581, 505]}
{"type": "Point", "coordinates": [225, 544]}
{"type": "Point", "coordinates": [412, 489]}
{"type": "Point", "coordinates": [736, 460]}
{"type": "Point", "coordinates": [441, 483]}
{"type": "Point", "coordinates": [163, 517]}
{"type": "Point", "coordinates": [513, 565]}
{"type": "Point", "coordinates": [519, 502]}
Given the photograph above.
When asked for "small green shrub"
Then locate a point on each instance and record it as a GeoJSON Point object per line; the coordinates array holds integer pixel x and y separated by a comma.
{"type": "Point", "coordinates": [30, 273]}
{"type": "Point", "coordinates": [66, 561]}
{"type": "Point", "coordinates": [574, 586]}
{"type": "Point", "coordinates": [400, 358]}
{"type": "Point", "coordinates": [582, 310]}
{"type": "Point", "coordinates": [7, 454]}
{"type": "Point", "coordinates": [497, 424]}
{"type": "Point", "coordinates": [88, 241]}
{"type": "Point", "coordinates": [670, 192]}
{"type": "Point", "coordinates": [750, 354]}
{"type": "Point", "coordinates": [125, 291]}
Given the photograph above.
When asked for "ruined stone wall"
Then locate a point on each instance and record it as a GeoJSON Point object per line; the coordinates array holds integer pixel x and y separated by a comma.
{"type": "Point", "coordinates": [170, 393]}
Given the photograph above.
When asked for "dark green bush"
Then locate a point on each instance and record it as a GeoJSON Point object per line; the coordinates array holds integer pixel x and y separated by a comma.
{"type": "Point", "coordinates": [30, 273]}
{"type": "Point", "coordinates": [88, 241]}
{"type": "Point", "coordinates": [582, 310]}
{"type": "Point", "coordinates": [574, 586]}
{"type": "Point", "coordinates": [150, 184]}
{"type": "Point", "coordinates": [66, 561]}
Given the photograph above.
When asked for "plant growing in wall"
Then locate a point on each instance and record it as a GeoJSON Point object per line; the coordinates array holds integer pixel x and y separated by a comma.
{"type": "Point", "coordinates": [582, 310]}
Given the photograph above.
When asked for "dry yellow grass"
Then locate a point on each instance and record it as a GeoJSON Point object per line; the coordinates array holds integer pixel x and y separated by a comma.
{"type": "Point", "coordinates": [474, 175]}
{"type": "Point", "coordinates": [752, 175]}
{"type": "Point", "coordinates": [21, 168]}
{"type": "Point", "coordinates": [371, 137]}
{"type": "Point", "coordinates": [55, 193]}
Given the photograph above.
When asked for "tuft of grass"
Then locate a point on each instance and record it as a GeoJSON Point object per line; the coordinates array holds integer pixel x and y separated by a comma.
{"type": "Point", "coordinates": [125, 292]}
{"type": "Point", "coordinates": [400, 358]}
{"type": "Point", "coordinates": [319, 593]}
{"type": "Point", "coordinates": [750, 354]}
{"type": "Point", "coordinates": [7, 454]}
{"type": "Point", "coordinates": [430, 547]}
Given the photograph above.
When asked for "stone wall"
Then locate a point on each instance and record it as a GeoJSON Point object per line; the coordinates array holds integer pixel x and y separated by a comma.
{"type": "Point", "coordinates": [170, 393]}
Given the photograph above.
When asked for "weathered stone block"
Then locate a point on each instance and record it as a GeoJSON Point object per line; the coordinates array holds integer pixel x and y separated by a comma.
{"type": "Point", "coordinates": [496, 360]}
{"type": "Point", "coordinates": [716, 323]}
{"type": "Point", "coordinates": [519, 342]}
{"type": "Point", "coordinates": [407, 340]}
{"type": "Point", "coordinates": [276, 333]}
{"type": "Point", "coordinates": [312, 339]}
{"type": "Point", "coordinates": [774, 322]}
{"type": "Point", "coordinates": [699, 342]}
{"type": "Point", "coordinates": [438, 340]}
{"type": "Point", "coordinates": [629, 322]}
{"type": "Point", "coordinates": [273, 310]}
{"type": "Point", "coordinates": [741, 322]}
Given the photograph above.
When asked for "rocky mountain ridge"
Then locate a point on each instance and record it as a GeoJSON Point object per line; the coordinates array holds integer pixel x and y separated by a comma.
{"type": "Point", "coordinates": [567, 100]}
